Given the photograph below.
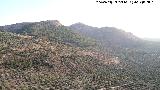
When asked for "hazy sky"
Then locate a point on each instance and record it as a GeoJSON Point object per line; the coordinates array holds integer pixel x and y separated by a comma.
{"type": "Point", "coordinates": [141, 20]}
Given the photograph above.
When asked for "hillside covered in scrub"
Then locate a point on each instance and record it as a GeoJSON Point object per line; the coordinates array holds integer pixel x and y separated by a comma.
{"type": "Point", "coordinates": [47, 55]}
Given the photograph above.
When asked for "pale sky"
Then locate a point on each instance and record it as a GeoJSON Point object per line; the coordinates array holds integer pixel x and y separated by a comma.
{"type": "Point", "coordinates": [141, 20]}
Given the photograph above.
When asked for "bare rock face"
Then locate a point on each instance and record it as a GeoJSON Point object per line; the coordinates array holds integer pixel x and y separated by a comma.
{"type": "Point", "coordinates": [114, 60]}
{"type": "Point", "coordinates": [52, 22]}
{"type": "Point", "coordinates": [106, 59]}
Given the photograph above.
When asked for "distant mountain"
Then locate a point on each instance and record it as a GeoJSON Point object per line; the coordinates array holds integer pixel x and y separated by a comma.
{"type": "Point", "coordinates": [51, 29]}
{"type": "Point", "coordinates": [152, 39]}
{"type": "Point", "coordinates": [21, 27]}
{"type": "Point", "coordinates": [109, 36]}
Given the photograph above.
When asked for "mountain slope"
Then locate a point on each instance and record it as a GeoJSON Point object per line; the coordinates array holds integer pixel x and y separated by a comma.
{"type": "Point", "coordinates": [48, 55]}
{"type": "Point", "coordinates": [51, 29]}
{"type": "Point", "coordinates": [27, 62]}
{"type": "Point", "coordinates": [139, 55]}
{"type": "Point", "coordinates": [108, 36]}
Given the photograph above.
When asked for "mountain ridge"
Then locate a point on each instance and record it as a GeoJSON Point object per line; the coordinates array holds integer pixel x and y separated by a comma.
{"type": "Point", "coordinates": [105, 34]}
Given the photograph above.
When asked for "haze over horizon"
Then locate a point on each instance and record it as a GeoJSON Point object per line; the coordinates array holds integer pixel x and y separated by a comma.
{"type": "Point", "coordinates": [141, 20]}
